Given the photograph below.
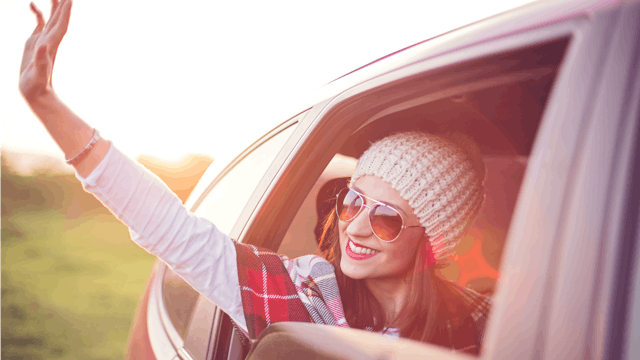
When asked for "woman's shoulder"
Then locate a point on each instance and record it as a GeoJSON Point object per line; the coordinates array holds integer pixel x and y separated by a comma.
{"type": "Point", "coordinates": [304, 265]}
{"type": "Point", "coordinates": [308, 266]}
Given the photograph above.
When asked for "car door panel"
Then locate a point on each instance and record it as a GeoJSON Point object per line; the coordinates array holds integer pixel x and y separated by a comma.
{"type": "Point", "coordinates": [520, 299]}
{"type": "Point", "coordinates": [574, 284]}
{"type": "Point", "coordinates": [200, 328]}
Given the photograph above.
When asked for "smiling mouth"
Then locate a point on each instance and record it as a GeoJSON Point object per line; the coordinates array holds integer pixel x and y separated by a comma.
{"type": "Point", "coordinates": [357, 252]}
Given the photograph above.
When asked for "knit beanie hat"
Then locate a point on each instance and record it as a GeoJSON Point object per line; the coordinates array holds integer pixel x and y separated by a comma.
{"type": "Point", "coordinates": [440, 177]}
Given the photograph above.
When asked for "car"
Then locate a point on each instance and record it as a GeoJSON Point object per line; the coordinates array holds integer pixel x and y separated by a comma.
{"type": "Point", "coordinates": [550, 92]}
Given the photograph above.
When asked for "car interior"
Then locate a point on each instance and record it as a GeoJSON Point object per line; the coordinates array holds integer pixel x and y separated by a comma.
{"type": "Point", "coordinates": [498, 102]}
{"type": "Point", "coordinates": [502, 119]}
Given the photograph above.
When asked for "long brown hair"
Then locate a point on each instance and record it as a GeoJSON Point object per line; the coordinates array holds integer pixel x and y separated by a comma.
{"type": "Point", "coordinates": [429, 302]}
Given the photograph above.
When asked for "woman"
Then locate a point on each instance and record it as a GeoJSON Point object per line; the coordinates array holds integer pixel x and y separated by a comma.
{"type": "Point", "coordinates": [410, 200]}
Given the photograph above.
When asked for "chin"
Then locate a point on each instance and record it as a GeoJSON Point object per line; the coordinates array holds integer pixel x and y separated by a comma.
{"type": "Point", "coordinates": [351, 270]}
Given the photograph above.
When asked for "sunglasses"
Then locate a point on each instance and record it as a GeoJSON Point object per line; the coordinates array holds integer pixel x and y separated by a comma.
{"type": "Point", "coordinates": [386, 222]}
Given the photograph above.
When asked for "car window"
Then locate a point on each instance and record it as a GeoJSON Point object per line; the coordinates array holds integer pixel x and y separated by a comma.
{"type": "Point", "coordinates": [502, 118]}
{"type": "Point", "coordinates": [499, 104]}
{"type": "Point", "coordinates": [222, 205]}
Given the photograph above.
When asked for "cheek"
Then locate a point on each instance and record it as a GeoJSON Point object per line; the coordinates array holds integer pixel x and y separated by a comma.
{"type": "Point", "coordinates": [399, 254]}
{"type": "Point", "coordinates": [342, 226]}
{"type": "Point", "coordinates": [403, 252]}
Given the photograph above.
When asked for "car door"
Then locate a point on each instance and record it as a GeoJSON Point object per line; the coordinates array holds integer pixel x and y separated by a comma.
{"type": "Point", "coordinates": [558, 276]}
{"type": "Point", "coordinates": [560, 268]}
{"type": "Point", "coordinates": [584, 308]}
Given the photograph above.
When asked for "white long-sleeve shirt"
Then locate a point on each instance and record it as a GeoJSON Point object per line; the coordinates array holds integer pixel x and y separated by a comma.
{"type": "Point", "coordinates": [193, 247]}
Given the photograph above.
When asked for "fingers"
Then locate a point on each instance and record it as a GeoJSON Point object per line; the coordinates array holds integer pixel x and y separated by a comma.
{"type": "Point", "coordinates": [39, 18]}
{"type": "Point", "coordinates": [58, 24]}
{"type": "Point", "coordinates": [54, 6]}
{"type": "Point", "coordinates": [63, 19]}
{"type": "Point", "coordinates": [60, 21]}
{"type": "Point", "coordinates": [63, 9]}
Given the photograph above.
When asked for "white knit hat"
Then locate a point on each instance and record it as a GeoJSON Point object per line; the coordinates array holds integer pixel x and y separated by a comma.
{"type": "Point", "coordinates": [440, 177]}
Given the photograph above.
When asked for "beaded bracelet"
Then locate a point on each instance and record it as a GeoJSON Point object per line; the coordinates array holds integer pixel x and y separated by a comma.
{"type": "Point", "coordinates": [76, 159]}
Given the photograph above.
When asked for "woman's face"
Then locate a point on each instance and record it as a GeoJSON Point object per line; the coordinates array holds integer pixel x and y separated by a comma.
{"type": "Point", "coordinates": [391, 260]}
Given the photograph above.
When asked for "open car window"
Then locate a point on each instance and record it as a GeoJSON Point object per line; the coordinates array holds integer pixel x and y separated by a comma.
{"type": "Point", "coordinates": [498, 101]}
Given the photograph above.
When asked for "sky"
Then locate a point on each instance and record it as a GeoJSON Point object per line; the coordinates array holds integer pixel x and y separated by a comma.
{"type": "Point", "coordinates": [173, 78]}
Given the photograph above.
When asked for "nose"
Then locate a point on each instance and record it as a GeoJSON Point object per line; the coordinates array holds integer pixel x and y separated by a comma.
{"type": "Point", "coordinates": [359, 227]}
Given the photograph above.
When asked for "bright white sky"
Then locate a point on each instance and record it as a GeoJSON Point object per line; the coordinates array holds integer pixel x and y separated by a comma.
{"type": "Point", "coordinates": [171, 78]}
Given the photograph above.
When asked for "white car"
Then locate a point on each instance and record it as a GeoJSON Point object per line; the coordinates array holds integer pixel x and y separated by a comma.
{"type": "Point", "coordinates": [551, 94]}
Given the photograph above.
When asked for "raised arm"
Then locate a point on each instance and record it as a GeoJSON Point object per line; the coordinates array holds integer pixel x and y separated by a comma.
{"type": "Point", "coordinates": [68, 130]}
{"type": "Point", "coordinates": [158, 221]}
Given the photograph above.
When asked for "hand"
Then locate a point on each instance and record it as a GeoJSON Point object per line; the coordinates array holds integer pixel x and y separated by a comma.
{"type": "Point", "coordinates": [41, 48]}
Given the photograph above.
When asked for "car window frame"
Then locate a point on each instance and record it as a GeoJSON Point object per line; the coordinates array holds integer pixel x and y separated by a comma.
{"type": "Point", "coordinates": [621, 264]}
{"type": "Point", "coordinates": [296, 119]}
{"type": "Point", "coordinates": [349, 104]}
{"type": "Point", "coordinates": [346, 104]}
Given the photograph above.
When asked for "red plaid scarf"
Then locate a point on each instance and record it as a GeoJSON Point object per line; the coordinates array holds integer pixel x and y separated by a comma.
{"type": "Point", "coordinates": [269, 295]}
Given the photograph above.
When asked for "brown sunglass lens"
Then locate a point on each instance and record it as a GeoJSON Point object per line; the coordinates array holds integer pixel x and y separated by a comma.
{"type": "Point", "coordinates": [348, 205]}
{"type": "Point", "coordinates": [386, 222]}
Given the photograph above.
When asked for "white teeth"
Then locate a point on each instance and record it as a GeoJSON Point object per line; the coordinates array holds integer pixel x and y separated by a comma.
{"type": "Point", "coordinates": [360, 250]}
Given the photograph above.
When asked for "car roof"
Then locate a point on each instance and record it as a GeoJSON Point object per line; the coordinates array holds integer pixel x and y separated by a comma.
{"type": "Point", "coordinates": [525, 18]}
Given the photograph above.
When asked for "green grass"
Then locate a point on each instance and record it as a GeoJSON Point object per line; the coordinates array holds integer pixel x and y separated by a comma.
{"type": "Point", "coordinates": [70, 284]}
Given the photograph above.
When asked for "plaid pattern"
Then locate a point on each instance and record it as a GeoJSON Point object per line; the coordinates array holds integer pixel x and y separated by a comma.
{"type": "Point", "coordinates": [317, 287]}
{"type": "Point", "coordinates": [275, 288]}
{"type": "Point", "coordinates": [268, 294]}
